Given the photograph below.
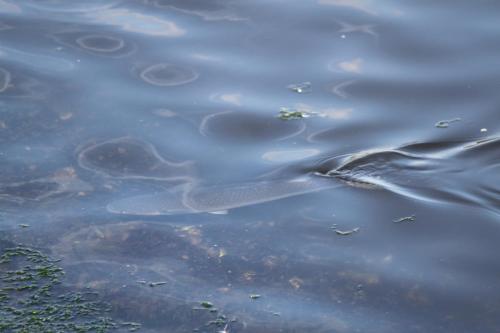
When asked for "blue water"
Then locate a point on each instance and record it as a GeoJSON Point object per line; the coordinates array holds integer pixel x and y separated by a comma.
{"type": "Point", "coordinates": [141, 141]}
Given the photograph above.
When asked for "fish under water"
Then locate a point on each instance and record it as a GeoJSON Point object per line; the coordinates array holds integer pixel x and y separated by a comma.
{"type": "Point", "coordinates": [460, 173]}
{"type": "Point", "coordinates": [190, 198]}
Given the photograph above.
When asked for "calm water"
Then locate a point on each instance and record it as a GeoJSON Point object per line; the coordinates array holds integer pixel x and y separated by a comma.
{"type": "Point", "coordinates": [140, 142]}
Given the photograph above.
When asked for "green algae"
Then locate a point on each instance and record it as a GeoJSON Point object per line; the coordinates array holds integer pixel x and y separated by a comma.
{"type": "Point", "coordinates": [206, 304]}
{"type": "Point", "coordinates": [32, 298]}
{"type": "Point", "coordinates": [289, 114]}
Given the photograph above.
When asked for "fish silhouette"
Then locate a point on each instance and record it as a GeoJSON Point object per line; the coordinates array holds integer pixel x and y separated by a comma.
{"type": "Point", "coordinates": [460, 173]}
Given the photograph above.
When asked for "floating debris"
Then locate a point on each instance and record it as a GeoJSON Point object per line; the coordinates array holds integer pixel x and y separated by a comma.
{"type": "Point", "coordinates": [155, 284]}
{"type": "Point", "coordinates": [222, 252]}
{"type": "Point", "coordinates": [224, 330]}
{"type": "Point", "coordinates": [483, 130]}
{"type": "Point", "coordinates": [296, 282]}
{"type": "Point", "coordinates": [24, 225]}
{"type": "Point", "coordinates": [206, 304]}
{"type": "Point", "coordinates": [291, 114]}
{"type": "Point", "coordinates": [132, 326]}
{"type": "Point", "coordinates": [301, 88]}
{"type": "Point", "coordinates": [220, 212]}
{"type": "Point", "coordinates": [406, 219]}
{"type": "Point", "coordinates": [220, 321]}
{"type": "Point", "coordinates": [255, 296]}
{"type": "Point", "coordinates": [346, 232]}
{"type": "Point", "coordinates": [446, 123]}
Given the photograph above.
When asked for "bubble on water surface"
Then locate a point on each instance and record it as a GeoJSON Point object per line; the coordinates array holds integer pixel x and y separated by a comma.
{"type": "Point", "coordinates": [131, 158]}
{"type": "Point", "coordinates": [109, 45]}
{"type": "Point", "coordinates": [166, 75]}
{"type": "Point", "coordinates": [101, 43]}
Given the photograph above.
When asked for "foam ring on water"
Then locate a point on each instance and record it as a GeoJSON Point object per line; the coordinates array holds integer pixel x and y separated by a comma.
{"type": "Point", "coordinates": [84, 42]}
{"type": "Point", "coordinates": [165, 74]}
{"type": "Point", "coordinates": [5, 79]}
{"type": "Point", "coordinates": [96, 43]}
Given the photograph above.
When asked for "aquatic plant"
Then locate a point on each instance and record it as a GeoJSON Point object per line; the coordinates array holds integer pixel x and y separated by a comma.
{"type": "Point", "coordinates": [33, 300]}
{"type": "Point", "coordinates": [288, 114]}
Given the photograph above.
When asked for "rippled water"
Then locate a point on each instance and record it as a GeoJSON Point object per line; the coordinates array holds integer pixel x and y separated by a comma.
{"type": "Point", "coordinates": [141, 141]}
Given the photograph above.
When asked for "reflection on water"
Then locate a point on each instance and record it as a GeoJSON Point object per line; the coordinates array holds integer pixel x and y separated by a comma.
{"type": "Point", "coordinates": [137, 22]}
{"type": "Point", "coordinates": [141, 143]}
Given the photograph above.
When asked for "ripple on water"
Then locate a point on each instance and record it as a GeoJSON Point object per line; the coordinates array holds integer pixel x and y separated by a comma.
{"type": "Point", "coordinates": [248, 127]}
{"type": "Point", "coordinates": [209, 5]}
{"type": "Point", "coordinates": [131, 158]}
{"type": "Point", "coordinates": [210, 10]}
{"type": "Point", "coordinates": [4, 79]}
{"type": "Point", "coordinates": [166, 75]}
{"type": "Point", "coordinates": [108, 45]}
{"type": "Point", "coordinates": [134, 21]}
{"type": "Point", "coordinates": [439, 172]}
{"type": "Point", "coordinates": [18, 85]}
{"type": "Point", "coordinates": [70, 6]}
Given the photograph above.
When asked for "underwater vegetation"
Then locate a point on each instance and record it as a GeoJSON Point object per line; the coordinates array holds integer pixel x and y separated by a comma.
{"type": "Point", "coordinates": [33, 299]}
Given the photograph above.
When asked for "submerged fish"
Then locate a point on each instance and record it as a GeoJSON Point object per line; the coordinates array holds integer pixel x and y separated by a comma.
{"type": "Point", "coordinates": [460, 173]}
{"type": "Point", "coordinates": [189, 199]}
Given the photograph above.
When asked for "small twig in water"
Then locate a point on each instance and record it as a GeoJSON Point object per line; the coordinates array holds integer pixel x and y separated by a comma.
{"type": "Point", "coordinates": [346, 232]}
{"type": "Point", "coordinates": [411, 218]}
{"type": "Point", "coordinates": [446, 123]}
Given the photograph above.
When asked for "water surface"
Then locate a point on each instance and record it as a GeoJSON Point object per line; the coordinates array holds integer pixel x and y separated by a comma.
{"type": "Point", "coordinates": [141, 143]}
